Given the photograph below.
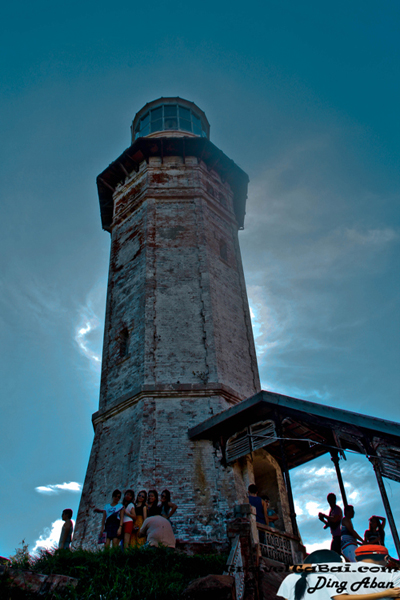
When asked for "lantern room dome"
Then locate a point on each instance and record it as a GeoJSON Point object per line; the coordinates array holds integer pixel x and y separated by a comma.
{"type": "Point", "coordinates": [172, 117]}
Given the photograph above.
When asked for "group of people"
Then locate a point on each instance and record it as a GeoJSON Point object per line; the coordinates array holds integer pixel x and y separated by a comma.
{"type": "Point", "coordinates": [132, 522]}
{"type": "Point", "coordinates": [345, 538]}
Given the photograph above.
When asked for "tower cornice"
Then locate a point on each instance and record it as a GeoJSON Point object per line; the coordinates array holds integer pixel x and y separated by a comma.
{"type": "Point", "coordinates": [144, 148]}
{"type": "Point", "coordinates": [183, 390]}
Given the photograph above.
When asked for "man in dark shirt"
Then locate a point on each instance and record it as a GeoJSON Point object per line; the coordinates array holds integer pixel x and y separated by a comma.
{"type": "Point", "coordinates": [261, 509]}
{"type": "Point", "coordinates": [334, 521]}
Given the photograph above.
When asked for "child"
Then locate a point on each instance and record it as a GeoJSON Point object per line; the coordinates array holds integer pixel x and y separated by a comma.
{"type": "Point", "coordinates": [272, 516]}
{"type": "Point", "coordinates": [66, 531]}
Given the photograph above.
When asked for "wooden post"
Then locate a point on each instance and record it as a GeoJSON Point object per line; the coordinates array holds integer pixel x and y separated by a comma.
{"type": "Point", "coordinates": [375, 463]}
{"type": "Point", "coordinates": [287, 477]}
{"type": "Point", "coordinates": [335, 460]}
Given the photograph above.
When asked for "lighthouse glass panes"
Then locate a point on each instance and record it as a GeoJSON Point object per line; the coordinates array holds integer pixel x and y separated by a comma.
{"type": "Point", "coordinates": [169, 117]}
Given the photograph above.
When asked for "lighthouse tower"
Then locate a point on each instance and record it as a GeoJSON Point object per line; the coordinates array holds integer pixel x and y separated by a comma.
{"type": "Point", "coordinates": [178, 342]}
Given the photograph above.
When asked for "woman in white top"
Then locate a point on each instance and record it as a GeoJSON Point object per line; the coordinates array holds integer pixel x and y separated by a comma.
{"type": "Point", "coordinates": [128, 516]}
{"type": "Point", "coordinates": [324, 586]}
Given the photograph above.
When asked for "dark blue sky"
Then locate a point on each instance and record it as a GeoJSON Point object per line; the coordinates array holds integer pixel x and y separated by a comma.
{"type": "Point", "coordinates": [304, 97]}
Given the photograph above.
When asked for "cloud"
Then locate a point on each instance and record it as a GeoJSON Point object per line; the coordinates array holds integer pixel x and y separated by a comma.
{"type": "Point", "coordinates": [86, 327]}
{"type": "Point", "coordinates": [375, 237]}
{"type": "Point", "coordinates": [49, 538]}
{"type": "Point", "coordinates": [31, 297]}
{"type": "Point", "coordinates": [72, 486]}
{"type": "Point", "coordinates": [88, 333]}
{"type": "Point", "coordinates": [315, 251]}
{"type": "Point", "coordinates": [323, 544]}
{"type": "Point", "coordinates": [313, 508]}
{"type": "Point", "coordinates": [324, 471]}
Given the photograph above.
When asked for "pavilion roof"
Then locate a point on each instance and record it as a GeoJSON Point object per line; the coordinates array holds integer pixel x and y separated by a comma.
{"type": "Point", "coordinates": [307, 429]}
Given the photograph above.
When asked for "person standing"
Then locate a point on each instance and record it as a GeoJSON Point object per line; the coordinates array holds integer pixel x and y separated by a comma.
{"type": "Point", "coordinates": [141, 516]}
{"type": "Point", "coordinates": [127, 517]}
{"type": "Point", "coordinates": [349, 535]}
{"type": "Point", "coordinates": [261, 509]}
{"type": "Point", "coordinates": [66, 531]}
{"type": "Point", "coordinates": [333, 521]}
{"type": "Point", "coordinates": [152, 504]}
{"type": "Point", "coordinates": [111, 519]}
{"type": "Point", "coordinates": [168, 508]}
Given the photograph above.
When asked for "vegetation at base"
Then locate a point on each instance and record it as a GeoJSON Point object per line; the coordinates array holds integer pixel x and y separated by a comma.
{"type": "Point", "coordinates": [135, 574]}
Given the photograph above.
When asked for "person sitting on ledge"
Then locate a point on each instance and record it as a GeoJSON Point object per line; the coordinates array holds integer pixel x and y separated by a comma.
{"type": "Point", "coordinates": [375, 533]}
{"type": "Point", "coordinates": [272, 516]}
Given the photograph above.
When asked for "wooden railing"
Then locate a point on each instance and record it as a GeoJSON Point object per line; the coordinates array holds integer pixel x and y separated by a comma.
{"type": "Point", "coordinates": [280, 546]}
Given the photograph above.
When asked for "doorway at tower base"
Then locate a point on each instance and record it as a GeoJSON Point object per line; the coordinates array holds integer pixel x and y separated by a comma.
{"type": "Point", "coordinates": [263, 470]}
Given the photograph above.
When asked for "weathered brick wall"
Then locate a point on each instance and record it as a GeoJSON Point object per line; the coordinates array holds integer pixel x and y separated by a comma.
{"type": "Point", "coordinates": [177, 331]}
{"type": "Point", "coordinates": [174, 289]}
{"type": "Point", "coordinates": [146, 446]}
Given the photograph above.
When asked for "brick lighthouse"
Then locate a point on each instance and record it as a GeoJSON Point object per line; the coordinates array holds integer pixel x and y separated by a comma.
{"type": "Point", "coordinates": [178, 343]}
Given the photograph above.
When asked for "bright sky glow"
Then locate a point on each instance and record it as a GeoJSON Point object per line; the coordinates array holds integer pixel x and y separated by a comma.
{"type": "Point", "coordinates": [49, 538]}
{"type": "Point", "coordinates": [323, 544]}
{"type": "Point", "coordinates": [92, 324]}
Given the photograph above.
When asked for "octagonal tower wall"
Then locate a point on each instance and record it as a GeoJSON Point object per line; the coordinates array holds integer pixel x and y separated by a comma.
{"type": "Point", "coordinates": [178, 342]}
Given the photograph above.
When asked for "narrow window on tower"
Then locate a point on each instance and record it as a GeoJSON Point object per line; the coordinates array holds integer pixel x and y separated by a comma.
{"type": "Point", "coordinates": [123, 343]}
{"type": "Point", "coordinates": [223, 250]}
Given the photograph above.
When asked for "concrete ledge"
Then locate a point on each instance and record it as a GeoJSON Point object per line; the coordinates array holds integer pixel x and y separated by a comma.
{"type": "Point", "coordinates": [184, 390]}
